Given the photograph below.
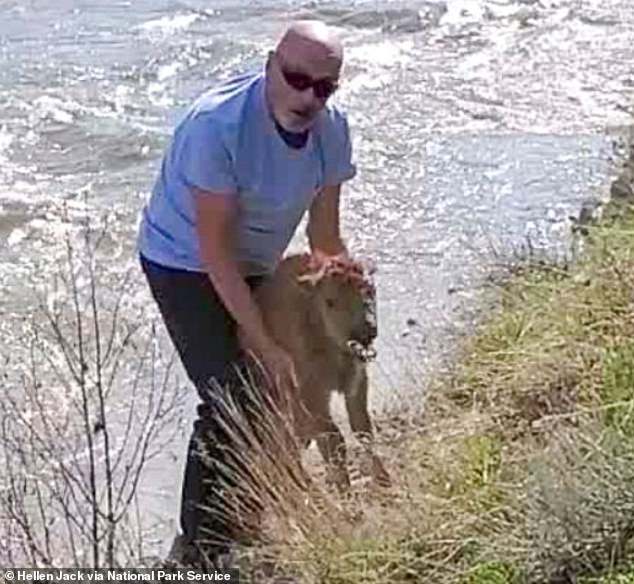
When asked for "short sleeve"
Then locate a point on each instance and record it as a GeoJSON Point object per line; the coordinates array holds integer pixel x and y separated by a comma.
{"type": "Point", "coordinates": [204, 160]}
{"type": "Point", "coordinates": [337, 149]}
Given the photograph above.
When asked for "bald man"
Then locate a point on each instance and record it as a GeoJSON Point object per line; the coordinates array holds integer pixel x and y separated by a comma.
{"type": "Point", "coordinates": [248, 160]}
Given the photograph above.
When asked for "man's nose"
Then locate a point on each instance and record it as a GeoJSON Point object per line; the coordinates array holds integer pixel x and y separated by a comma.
{"type": "Point", "coordinates": [308, 97]}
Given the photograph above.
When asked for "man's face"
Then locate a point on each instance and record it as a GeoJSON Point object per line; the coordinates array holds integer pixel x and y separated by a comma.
{"type": "Point", "coordinates": [299, 86]}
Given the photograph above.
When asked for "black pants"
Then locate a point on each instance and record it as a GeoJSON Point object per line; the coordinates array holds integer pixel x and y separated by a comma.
{"type": "Point", "coordinates": [204, 335]}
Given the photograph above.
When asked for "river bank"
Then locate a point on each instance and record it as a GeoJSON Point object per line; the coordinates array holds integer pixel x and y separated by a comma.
{"type": "Point", "coordinates": [520, 468]}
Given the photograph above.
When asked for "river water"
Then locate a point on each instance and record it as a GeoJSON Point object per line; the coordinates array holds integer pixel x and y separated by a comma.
{"type": "Point", "coordinates": [477, 125]}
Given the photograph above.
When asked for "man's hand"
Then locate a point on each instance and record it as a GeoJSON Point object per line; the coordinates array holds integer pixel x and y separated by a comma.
{"type": "Point", "coordinates": [280, 367]}
{"type": "Point", "coordinates": [319, 257]}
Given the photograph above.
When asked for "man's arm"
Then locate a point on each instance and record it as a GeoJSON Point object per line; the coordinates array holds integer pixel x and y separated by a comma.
{"type": "Point", "coordinates": [323, 229]}
{"type": "Point", "coordinates": [216, 220]}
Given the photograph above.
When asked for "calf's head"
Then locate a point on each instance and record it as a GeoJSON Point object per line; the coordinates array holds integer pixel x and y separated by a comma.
{"type": "Point", "coordinates": [343, 294]}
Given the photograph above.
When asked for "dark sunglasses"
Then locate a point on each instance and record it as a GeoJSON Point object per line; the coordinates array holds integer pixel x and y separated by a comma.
{"type": "Point", "coordinates": [323, 88]}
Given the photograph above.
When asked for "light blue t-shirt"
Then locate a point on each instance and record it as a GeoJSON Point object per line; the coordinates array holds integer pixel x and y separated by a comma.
{"type": "Point", "coordinates": [228, 143]}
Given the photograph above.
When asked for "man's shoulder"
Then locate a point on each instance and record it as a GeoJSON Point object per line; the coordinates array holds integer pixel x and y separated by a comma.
{"type": "Point", "coordinates": [335, 146]}
{"type": "Point", "coordinates": [226, 102]}
{"type": "Point", "coordinates": [333, 124]}
{"type": "Point", "coordinates": [334, 113]}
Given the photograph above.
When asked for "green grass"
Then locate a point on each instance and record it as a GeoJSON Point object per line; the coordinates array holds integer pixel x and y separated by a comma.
{"type": "Point", "coordinates": [624, 577]}
{"type": "Point", "coordinates": [618, 387]}
{"type": "Point", "coordinates": [493, 573]}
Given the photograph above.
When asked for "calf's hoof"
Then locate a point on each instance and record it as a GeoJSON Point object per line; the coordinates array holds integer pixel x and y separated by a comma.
{"type": "Point", "coordinates": [380, 476]}
{"type": "Point", "coordinates": [338, 479]}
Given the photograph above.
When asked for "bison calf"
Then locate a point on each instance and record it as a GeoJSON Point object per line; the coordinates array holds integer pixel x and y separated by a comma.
{"type": "Point", "coordinates": [324, 316]}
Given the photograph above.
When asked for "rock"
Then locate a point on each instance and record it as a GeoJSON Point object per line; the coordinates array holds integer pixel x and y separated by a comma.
{"type": "Point", "coordinates": [590, 211]}
{"type": "Point", "coordinates": [621, 189]}
{"type": "Point", "coordinates": [582, 279]}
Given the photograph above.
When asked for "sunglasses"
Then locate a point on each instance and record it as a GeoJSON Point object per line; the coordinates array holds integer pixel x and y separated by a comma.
{"type": "Point", "coordinates": [323, 88]}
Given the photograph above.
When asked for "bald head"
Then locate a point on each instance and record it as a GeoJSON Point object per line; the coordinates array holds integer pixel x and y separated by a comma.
{"type": "Point", "coordinates": [302, 73]}
{"type": "Point", "coordinates": [310, 40]}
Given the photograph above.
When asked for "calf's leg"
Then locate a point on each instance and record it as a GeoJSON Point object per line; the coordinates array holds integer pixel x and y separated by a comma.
{"type": "Point", "coordinates": [332, 446]}
{"type": "Point", "coordinates": [356, 396]}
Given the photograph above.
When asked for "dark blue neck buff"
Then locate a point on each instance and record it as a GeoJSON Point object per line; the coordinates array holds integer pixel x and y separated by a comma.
{"type": "Point", "coordinates": [292, 139]}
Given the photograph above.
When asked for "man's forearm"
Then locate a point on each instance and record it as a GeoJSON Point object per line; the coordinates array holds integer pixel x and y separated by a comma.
{"type": "Point", "coordinates": [333, 247]}
{"type": "Point", "coordinates": [216, 216]}
{"type": "Point", "coordinates": [324, 235]}
{"type": "Point", "coordinates": [238, 300]}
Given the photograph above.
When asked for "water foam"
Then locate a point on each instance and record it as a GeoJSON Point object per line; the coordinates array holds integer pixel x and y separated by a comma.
{"type": "Point", "coordinates": [168, 25]}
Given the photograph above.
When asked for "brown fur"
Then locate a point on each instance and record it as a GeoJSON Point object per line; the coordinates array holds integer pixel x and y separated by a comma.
{"type": "Point", "coordinates": [312, 312]}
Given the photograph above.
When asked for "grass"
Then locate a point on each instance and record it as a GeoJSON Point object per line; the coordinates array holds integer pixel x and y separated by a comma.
{"type": "Point", "coordinates": [521, 469]}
